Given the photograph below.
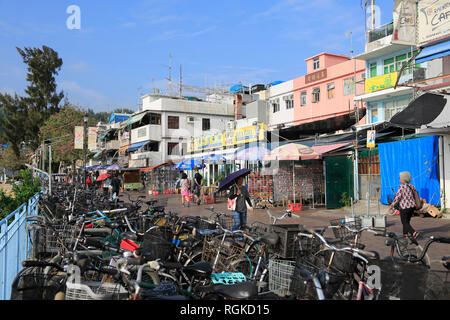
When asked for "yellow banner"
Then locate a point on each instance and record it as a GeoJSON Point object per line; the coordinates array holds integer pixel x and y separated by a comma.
{"type": "Point", "coordinates": [79, 138]}
{"type": "Point", "coordinates": [381, 82]}
{"type": "Point", "coordinates": [227, 139]}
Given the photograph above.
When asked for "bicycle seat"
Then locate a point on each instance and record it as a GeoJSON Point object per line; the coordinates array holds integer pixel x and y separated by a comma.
{"type": "Point", "coordinates": [446, 262]}
{"type": "Point", "coordinates": [200, 269]}
{"type": "Point", "coordinates": [242, 290]}
{"type": "Point", "coordinates": [269, 238]}
{"type": "Point", "coordinates": [151, 202]}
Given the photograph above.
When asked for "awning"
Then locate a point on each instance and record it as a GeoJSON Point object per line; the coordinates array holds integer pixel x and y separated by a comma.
{"type": "Point", "coordinates": [328, 148]}
{"type": "Point", "coordinates": [123, 148]}
{"type": "Point", "coordinates": [430, 110]}
{"type": "Point", "coordinates": [138, 145]}
{"type": "Point", "coordinates": [135, 119]}
{"type": "Point", "coordinates": [157, 166]}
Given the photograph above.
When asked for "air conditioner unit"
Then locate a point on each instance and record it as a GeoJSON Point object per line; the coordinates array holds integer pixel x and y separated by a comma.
{"type": "Point", "coordinates": [231, 125]}
{"type": "Point", "coordinates": [190, 119]}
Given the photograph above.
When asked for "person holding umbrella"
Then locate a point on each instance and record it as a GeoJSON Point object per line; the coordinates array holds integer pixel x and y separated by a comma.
{"type": "Point", "coordinates": [240, 193]}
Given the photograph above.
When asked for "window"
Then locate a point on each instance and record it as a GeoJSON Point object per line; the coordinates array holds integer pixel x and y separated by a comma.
{"type": "Point", "coordinates": [316, 95]}
{"type": "Point", "coordinates": [155, 118]}
{"type": "Point", "coordinates": [389, 65]}
{"type": "Point", "coordinates": [349, 86]}
{"type": "Point", "coordinates": [316, 63]}
{"type": "Point", "coordinates": [393, 107]}
{"type": "Point", "coordinates": [153, 146]}
{"type": "Point", "coordinates": [172, 149]}
{"type": "Point", "coordinates": [374, 115]}
{"type": "Point", "coordinates": [206, 124]}
{"type": "Point", "coordinates": [173, 122]}
{"type": "Point", "coordinates": [276, 105]}
{"type": "Point", "coordinates": [373, 69]}
{"type": "Point", "coordinates": [303, 98]}
{"type": "Point", "coordinates": [330, 90]}
{"type": "Point", "coordinates": [289, 100]}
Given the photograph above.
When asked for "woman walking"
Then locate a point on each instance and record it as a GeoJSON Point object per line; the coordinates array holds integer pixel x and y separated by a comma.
{"type": "Point", "coordinates": [240, 193]}
{"type": "Point", "coordinates": [404, 200]}
{"type": "Point", "coordinates": [184, 185]}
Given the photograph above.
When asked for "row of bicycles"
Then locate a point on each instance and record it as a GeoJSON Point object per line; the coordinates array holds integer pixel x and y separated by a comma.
{"type": "Point", "coordinates": [86, 246]}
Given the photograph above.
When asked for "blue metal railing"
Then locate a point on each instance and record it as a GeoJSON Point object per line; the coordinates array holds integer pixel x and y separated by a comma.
{"type": "Point", "coordinates": [14, 244]}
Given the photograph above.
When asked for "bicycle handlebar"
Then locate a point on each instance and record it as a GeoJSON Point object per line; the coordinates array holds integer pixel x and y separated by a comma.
{"type": "Point", "coordinates": [41, 264]}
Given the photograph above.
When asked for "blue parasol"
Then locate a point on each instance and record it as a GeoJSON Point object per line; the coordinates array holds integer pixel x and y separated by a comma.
{"type": "Point", "coordinates": [214, 158]}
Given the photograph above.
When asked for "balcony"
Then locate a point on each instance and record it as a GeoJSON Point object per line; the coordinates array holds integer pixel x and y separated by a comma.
{"type": "Point", "coordinates": [381, 32]}
{"type": "Point", "coordinates": [145, 133]}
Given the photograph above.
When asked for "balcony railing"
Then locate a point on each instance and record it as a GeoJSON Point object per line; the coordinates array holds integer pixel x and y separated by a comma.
{"type": "Point", "coordinates": [381, 32]}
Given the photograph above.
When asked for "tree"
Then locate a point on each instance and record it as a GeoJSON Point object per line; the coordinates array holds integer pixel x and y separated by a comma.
{"type": "Point", "coordinates": [42, 98]}
{"type": "Point", "coordinates": [14, 115]}
{"type": "Point", "coordinates": [59, 130]}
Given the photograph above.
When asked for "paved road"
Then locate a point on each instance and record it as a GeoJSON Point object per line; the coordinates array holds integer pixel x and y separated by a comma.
{"type": "Point", "coordinates": [321, 217]}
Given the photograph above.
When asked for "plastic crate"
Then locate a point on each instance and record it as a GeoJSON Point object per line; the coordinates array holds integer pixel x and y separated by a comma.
{"type": "Point", "coordinates": [280, 276]}
{"type": "Point", "coordinates": [288, 245]}
{"type": "Point", "coordinates": [210, 200]}
{"type": "Point", "coordinates": [294, 207]}
{"type": "Point", "coordinates": [228, 278]}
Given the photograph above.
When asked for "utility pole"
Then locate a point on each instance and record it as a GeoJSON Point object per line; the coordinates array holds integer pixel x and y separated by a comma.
{"type": "Point", "coordinates": [85, 148]}
{"type": "Point", "coordinates": [50, 167]}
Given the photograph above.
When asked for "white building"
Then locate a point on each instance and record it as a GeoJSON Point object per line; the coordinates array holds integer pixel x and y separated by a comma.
{"type": "Point", "coordinates": [160, 132]}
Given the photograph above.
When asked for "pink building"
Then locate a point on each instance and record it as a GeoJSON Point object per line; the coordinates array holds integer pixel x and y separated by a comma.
{"type": "Point", "coordinates": [327, 90]}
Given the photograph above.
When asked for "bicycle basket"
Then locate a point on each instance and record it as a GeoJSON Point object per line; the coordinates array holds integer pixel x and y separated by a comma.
{"type": "Point", "coordinates": [342, 233]}
{"type": "Point", "coordinates": [226, 221]}
{"type": "Point", "coordinates": [280, 274]}
{"type": "Point", "coordinates": [259, 228]}
{"type": "Point", "coordinates": [95, 291]}
{"type": "Point", "coordinates": [34, 284]}
{"type": "Point", "coordinates": [156, 247]}
{"type": "Point", "coordinates": [59, 236]}
{"type": "Point", "coordinates": [308, 246]}
{"type": "Point", "coordinates": [228, 278]}
{"type": "Point", "coordinates": [229, 252]}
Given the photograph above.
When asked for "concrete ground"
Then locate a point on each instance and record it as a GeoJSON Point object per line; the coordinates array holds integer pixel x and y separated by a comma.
{"type": "Point", "coordinates": [321, 217]}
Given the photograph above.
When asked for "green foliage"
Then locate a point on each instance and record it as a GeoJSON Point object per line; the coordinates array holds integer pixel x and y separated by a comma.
{"type": "Point", "coordinates": [7, 205]}
{"type": "Point", "coordinates": [345, 201]}
{"type": "Point", "coordinates": [27, 187]}
{"type": "Point", "coordinates": [23, 191]}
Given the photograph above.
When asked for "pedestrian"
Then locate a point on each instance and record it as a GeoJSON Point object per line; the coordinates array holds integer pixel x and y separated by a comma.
{"type": "Point", "coordinates": [88, 181]}
{"type": "Point", "coordinates": [185, 188]}
{"type": "Point", "coordinates": [106, 186]}
{"type": "Point", "coordinates": [240, 193]}
{"type": "Point", "coordinates": [404, 201]}
{"type": "Point", "coordinates": [115, 184]}
{"type": "Point", "coordinates": [198, 178]}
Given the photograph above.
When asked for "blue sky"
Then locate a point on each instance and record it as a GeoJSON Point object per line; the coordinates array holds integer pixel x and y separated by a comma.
{"type": "Point", "coordinates": [122, 49]}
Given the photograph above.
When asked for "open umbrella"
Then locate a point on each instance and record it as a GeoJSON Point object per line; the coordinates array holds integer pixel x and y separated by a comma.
{"type": "Point", "coordinates": [251, 154]}
{"type": "Point", "coordinates": [188, 165]}
{"type": "Point", "coordinates": [291, 151]}
{"type": "Point", "coordinates": [103, 177]}
{"type": "Point", "coordinates": [230, 179]}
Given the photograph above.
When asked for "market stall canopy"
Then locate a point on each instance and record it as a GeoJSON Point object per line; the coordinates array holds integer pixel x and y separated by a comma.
{"type": "Point", "coordinates": [138, 145]}
{"type": "Point", "coordinates": [168, 163]}
{"type": "Point", "coordinates": [113, 167]}
{"type": "Point", "coordinates": [324, 149]}
{"type": "Point", "coordinates": [122, 149]}
{"type": "Point", "coordinates": [292, 151]}
{"type": "Point", "coordinates": [430, 110]}
{"type": "Point", "coordinates": [255, 153]}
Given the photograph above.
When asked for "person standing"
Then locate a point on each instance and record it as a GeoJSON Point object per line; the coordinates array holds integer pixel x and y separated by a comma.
{"type": "Point", "coordinates": [240, 193]}
{"type": "Point", "coordinates": [404, 200]}
{"type": "Point", "coordinates": [198, 178]}
{"type": "Point", "coordinates": [184, 185]}
{"type": "Point", "coordinates": [115, 184]}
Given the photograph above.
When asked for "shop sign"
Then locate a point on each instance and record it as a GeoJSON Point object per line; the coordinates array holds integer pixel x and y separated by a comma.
{"type": "Point", "coordinates": [381, 82]}
{"type": "Point", "coordinates": [433, 21]}
{"type": "Point", "coordinates": [316, 76]}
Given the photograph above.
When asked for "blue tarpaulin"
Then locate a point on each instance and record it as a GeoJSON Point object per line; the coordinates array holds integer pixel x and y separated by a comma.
{"type": "Point", "coordinates": [137, 146]}
{"type": "Point", "coordinates": [420, 158]}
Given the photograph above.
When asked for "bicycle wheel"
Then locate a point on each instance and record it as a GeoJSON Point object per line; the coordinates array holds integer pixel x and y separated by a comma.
{"type": "Point", "coordinates": [436, 286]}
